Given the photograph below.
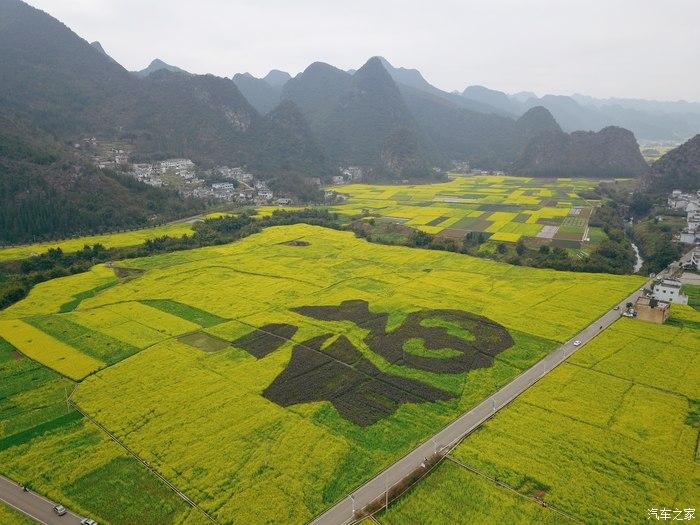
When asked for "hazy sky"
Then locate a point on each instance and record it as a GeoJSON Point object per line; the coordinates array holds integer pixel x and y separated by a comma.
{"type": "Point", "coordinates": [626, 48]}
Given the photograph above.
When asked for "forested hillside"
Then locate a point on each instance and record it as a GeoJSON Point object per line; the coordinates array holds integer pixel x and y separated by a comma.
{"type": "Point", "coordinates": [679, 169]}
{"type": "Point", "coordinates": [57, 82]}
{"type": "Point", "coordinates": [608, 153]}
{"type": "Point", "coordinates": [46, 191]}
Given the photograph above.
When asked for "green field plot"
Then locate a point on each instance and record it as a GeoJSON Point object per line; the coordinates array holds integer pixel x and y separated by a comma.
{"type": "Point", "coordinates": [295, 363]}
{"type": "Point", "coordinates": [693, 293]}
{"type": "Point", "coordinates": [195, 315]}
{"type": "Point", "coordinates": [603, 438]}
{"type": "Point", "coordinates": [507, 208]}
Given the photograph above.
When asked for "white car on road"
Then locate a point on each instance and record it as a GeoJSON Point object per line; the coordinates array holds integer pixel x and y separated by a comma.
{"type": "Point", "coordinates": [577, 343]}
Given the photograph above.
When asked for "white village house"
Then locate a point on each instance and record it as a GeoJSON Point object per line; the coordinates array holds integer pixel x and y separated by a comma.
{"type": "Point", "coordinates": [668, 291]}
{"type": "Point", "coordinates": [176, 164]}
{"type": "Point", "coordinates": [690, 203]}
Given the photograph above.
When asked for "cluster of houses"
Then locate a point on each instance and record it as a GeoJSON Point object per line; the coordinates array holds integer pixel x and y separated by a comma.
{"type": "Point", "coordinates": [690, 204]}
{"type": "Point", "coordinates": [164, 172]}
{"type": "Point", "coordinates": [348, 175]}
{"type": "Point", "coordinates": [104, 154]}
{"type": "Point", "coordinates": [655, 303]}
{"type": "Point", "coordinates": [461, 167]}
{"type": "Point", "coordinates": [146, 174]}
{"type": "Point", "coordinates": [222, 183]}
{"type": "Point", "coordinates": [465, 168]}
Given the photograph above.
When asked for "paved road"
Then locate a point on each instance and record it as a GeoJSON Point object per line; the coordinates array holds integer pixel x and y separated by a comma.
{"type": "Point", "coordinates": [375, 489]}
{"type": "Point", "coordinates": [33, 505]}
{"type": "Point", "coordinates": [690, 278]}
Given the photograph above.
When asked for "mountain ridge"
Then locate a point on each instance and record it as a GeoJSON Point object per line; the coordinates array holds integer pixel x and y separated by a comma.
{"type": "Point", "coordinates": [647, 119]}
{"type": "Point", "coordinates": [609, 153]}
{"type": "Point", "coordinates": [158, 65]}
{"type": "Point", "coordinates": [262, 95]}
{"type": "Point", "coordinates": [70, 88]}
{"type": "Point", "coordinates": [679, 169]}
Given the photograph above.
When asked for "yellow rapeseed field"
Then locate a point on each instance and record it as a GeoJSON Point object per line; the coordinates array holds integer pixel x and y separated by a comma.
{"type": "Point", "coordinates": [197, 392]}
{"type": "Point", "coordinates": [49, 296]}
{"type": "Point", "coordinates": [49, 351]}
{"type": "Point", "coordinates": [605, 437]}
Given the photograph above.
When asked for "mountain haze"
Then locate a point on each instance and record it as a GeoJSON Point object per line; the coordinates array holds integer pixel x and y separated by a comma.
{"type": "Point", "coordinates": [260, 93]}
{"type": "Point", "coordinates": [277, 78]}
{"type": "Point", "coordinates": [368, 116]}
{"type": "Point", "coordinates": [647, 119]}
{"type": "Point", "coordinates": [57, 85]}
{"type": "Point", "coordinates": [317, 90]}
{"type": "Point", "coordinates": [414, 79]}
{"type": "Point", "coordinates": [491, 97]}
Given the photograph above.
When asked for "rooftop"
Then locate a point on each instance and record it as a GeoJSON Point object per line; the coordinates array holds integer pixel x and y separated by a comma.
{"type": "Point", "coordinates": [646, 301]}
{"type": "Point", "coordinates": [669, 283]}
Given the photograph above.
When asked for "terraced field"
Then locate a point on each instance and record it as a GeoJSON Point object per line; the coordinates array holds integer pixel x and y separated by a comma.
{"type": "Point", "coordinates": [268, 377]}
{"type": "Point", "coordinates": [504, 208]}
{"type": "Point", "coordinates": [607, 436]}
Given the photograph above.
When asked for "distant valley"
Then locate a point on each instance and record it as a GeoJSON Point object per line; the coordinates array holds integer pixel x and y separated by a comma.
{"type": "Point", "coordinates": [293, 133]}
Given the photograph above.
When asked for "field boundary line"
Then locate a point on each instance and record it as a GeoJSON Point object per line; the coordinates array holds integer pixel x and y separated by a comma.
{"type": "Point", "coordinates": [507, 487]}
{"type": "Point", "coordinates": [114, 438]}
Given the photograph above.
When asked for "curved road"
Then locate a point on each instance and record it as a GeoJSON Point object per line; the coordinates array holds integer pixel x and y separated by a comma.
{"type": "Point", "coordinates": [414, 462]}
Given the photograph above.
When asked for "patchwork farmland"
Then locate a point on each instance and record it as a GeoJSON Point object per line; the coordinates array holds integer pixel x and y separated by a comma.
{"type": "Point", "coordinates": [608, 435]}
{"type": "Point", "coordinates": [505, 209]}
{"type": "Point", "coordinates": [266, 378]}
{"type": "Point", "coordinates": [54, 450]}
